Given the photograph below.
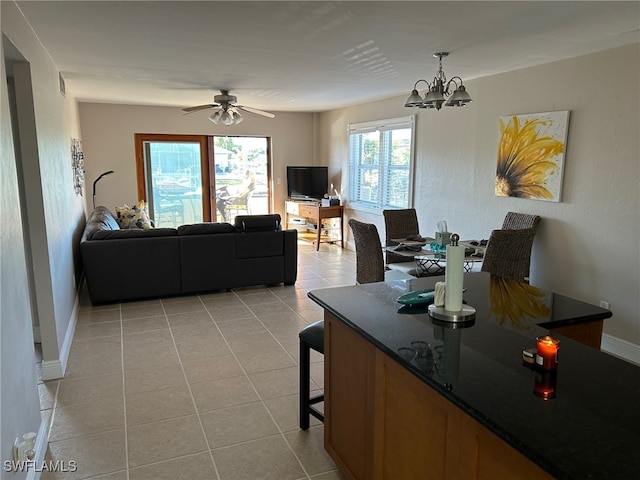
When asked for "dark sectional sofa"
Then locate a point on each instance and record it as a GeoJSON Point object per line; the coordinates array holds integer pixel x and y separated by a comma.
{"type": "Point", "coordinates": [136, 264]}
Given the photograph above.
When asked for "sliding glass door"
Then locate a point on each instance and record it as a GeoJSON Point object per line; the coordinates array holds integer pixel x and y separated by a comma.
{"type": "Point", "coordinates": [196, 178]}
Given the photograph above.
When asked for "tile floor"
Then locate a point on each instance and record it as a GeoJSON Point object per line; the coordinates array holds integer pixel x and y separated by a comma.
{"type": "Point", "coordinates": [196, 387]}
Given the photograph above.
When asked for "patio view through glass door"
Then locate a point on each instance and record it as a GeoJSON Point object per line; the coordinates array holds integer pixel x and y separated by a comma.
{"type": "Point", "coordinates": [174, 171]}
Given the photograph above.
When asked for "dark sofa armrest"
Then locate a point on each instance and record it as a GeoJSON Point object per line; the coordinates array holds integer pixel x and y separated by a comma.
{"type": "Point", "coordinates": [290, 256]}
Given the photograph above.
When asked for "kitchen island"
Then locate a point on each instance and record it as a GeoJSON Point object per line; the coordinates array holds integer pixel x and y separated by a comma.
{"type": "Point", "coordinates": [467, 406]}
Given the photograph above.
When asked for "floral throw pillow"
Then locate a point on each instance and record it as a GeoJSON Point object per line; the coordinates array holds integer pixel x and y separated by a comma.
{"type": "Point", "coordinates": [133, 217]}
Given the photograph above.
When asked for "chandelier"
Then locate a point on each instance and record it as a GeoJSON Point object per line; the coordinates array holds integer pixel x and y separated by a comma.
{"type": "Point", "coordinates": [438, 90]}
{"type": "Point", "coordinates": [227, 115]}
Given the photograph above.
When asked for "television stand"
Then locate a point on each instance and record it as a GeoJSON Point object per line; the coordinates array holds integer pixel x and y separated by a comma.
{"type": "Point", "coordinates": [314, 211]}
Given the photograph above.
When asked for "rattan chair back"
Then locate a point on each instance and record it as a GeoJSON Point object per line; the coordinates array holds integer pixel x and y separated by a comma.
{"type": "Point", "coordinates": [369, 258]}
{"type": "Point", "coordinates": [399, 224]}
{"type": "Point", "coordinates": [508, 253]}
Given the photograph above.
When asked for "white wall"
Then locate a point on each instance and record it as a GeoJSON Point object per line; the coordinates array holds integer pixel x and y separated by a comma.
{"type": "Point", "coordinates": [59, 221]}
{"type": "Point", "coordinates": [588, 246]}
{"type": "Point", "coordinates": [108, 140]}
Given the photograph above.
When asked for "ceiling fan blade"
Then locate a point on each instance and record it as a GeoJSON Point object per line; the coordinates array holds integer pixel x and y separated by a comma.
{"type": "Point", "coordinates": [199, 107]}
{"type": "Point", "coordinates": [255, 110]}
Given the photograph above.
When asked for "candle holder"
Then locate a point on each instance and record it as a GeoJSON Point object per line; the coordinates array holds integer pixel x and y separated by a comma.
{"type": "Point", "coordinates": [547, 352]}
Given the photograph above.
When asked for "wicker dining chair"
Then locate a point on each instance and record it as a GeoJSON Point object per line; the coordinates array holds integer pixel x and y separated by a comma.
{"type": "Point", "coordinates": [516, 221]}
{"type": "Point", "coordinates": [369, 259]}
{"type": "Point", "coordinates": [399, 224]}
{"type": "Point", "coordinates": [508, 253]}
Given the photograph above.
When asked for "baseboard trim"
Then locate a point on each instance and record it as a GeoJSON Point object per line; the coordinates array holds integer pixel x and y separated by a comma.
{"type": "Point", "coordinates": [54, 369]}
{"type": "Point", "coordinates": [621, 348]}
{"type": "Point", "coordinates": [42, 440]}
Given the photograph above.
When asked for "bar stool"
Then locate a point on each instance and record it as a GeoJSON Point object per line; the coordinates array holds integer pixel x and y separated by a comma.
{"type": "Point", "coordinates": [311, 337]}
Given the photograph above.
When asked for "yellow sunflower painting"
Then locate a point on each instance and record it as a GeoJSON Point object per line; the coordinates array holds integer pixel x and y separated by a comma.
{"type": "Point", "coordinates": [531, 155]}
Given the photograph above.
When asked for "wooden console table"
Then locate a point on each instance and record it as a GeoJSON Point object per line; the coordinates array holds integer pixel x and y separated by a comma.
{"type": "Point", "coordinates": [316, 212]}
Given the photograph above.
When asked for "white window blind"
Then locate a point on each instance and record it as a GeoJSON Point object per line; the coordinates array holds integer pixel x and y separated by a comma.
{"type": "Point", "coordinates": [381, 163]}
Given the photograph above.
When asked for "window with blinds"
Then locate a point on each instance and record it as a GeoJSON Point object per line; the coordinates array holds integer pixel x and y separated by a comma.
{"type": "Point", "coordinates": [381, 163]}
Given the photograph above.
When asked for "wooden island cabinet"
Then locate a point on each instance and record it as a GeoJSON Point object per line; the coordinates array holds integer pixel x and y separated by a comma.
{"type": "Point", "coordinates": [409, 397]}
{"type": "Point", "coordinates": [384, 423]}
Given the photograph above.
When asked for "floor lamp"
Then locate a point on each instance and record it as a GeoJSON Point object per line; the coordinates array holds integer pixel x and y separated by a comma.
{"type": "Point", "coordinates": [94, 185]}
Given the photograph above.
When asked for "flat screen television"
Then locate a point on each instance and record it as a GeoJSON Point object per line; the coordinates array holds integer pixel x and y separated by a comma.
{"type": "Point", "coordinates": [307, 182]}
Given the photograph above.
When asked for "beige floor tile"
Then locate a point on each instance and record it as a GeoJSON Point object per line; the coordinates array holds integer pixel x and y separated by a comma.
{"type": "Point", "coordinates": [89, 389]}
{"type": "Point", "coordinates": [91, 330]}
{"type": "Point", "coordinates": [192, 467]}
{"type": "Point", "coordinates": [157, 405]}
{"type": "Point", "coordinates": [164, 440]}
{"type": "Point", "coordinates": [134, 340]}
{"type": "Point", "coordinates": [190, 304]}
{"type": "Point", "coordinates": [94, 455]}
{"type": "Point", "coordinates": [99, 416]}
{"type": "Point", "coordinates": [122, 475]}
{"type": "Point", "coordinates": [137, 304]}
{"type": "Point", "coordinates": [240, 423]}
{"type": "Point", "coordinates": [225, 392]}
{"type": "Point", "coordinates": [150, 355]}
{"type": "Point", "coordinates": [98, 363]}
{"type": "Point", "coordinates": [230, 313]}
{"type": "Point", "coordinates": [271, 459]}
{"type": "Point", "coordinates": [144, 324]}
{"type": "Point", "coordinates": [202, 334]}
{"type": "Point", "coordinates": [240, 326]}
{"type": "Point", "coordinates": [148, 309]}
{"type": "Point", "coordinates": [276, 383]}
{"type": "Point", "coordinates": [47, 393]}
{"type": "Point", "coordinates": [309, 448]}
{"type": "Point", "coordinates": [152, 378]}
{"type": "Point", "coordinates": [86, 347]}
{"type": "Point", "coordinates": [86, 317]}
{"type": "Point", "coordinates": [317, 373]}
{"type": "Point", "coordinates": [201, 351]}
{"type": "Point", "coordinates": [264, 360]}
{"type": "Point", "coordinates": [285, 412]}
{"type": "Point", "coordinates": [258, 298]}
{"type": "Point", "coordinates": [190, 319]}
{"type": "Point", "coordinates": [259, 341]}
{"type": "Point", "coordinates": [223, 366]}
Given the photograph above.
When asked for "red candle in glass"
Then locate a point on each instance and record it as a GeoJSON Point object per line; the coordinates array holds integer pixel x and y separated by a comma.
{"type": "Point", "coordinates": [547, 354]}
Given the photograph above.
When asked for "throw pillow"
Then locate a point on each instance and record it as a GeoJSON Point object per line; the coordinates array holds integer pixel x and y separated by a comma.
{"type": "Point", "coordinates": [134, 217]}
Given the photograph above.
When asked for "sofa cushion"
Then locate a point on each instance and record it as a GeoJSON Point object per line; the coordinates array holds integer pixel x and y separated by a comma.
{"type": "Point", "coordinates": [205, 228]}
{"type": "Point", "coordinates": [134, 217]}
{"type": "Point", "coordinates": [134, 233]}
{"type": "Point", "coordinates": [257, 223]}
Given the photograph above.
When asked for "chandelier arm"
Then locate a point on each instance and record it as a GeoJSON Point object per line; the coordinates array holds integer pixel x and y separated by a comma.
{"type": "Point", "coordinates": [456, 81]}
{"type": "Point", "coordinates": [415, 86]}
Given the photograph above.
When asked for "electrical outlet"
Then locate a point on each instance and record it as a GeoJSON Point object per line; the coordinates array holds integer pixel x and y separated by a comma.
{"type": "Point", "coordinates": [604, 304]}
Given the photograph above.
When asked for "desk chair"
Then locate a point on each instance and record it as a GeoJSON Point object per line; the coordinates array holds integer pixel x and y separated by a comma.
{"type": "Point", "coordinates": [369, 269]}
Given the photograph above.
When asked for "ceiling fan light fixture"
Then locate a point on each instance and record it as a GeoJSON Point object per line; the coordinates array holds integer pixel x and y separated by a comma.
{"type": "Point", "coordinates": [215, 117]}
{"type": "Point", "coordinates": [237, 118]}
{"type": "Point", "coordinates": [226, 118]}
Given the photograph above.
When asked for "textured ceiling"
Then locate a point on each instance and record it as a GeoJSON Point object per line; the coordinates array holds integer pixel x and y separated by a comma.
{"type": "Point", "coordinates": [308, 55]}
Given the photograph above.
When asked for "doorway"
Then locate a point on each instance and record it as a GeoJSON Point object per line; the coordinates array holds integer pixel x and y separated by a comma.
{"type": "Point", "coordinates": [196, 178]}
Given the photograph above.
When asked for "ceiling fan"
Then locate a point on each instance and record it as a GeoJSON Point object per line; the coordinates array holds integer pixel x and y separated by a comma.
{"type": "Point", "coordinates": [226, 109]}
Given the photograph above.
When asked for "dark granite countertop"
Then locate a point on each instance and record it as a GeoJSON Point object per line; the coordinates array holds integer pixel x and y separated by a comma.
{"type": "Point", "coordinates": [591, 429]}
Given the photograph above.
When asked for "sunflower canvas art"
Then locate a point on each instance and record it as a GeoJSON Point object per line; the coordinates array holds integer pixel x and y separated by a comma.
{"type": "Point", "coordinates": [531, 155]}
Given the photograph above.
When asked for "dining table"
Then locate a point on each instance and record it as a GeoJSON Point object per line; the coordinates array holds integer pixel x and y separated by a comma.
{"type": "Point", "coordinates": [431, 259]}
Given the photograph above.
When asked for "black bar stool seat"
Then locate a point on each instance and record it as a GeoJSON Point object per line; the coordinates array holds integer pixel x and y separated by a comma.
{"type": "Point", "coordinates": [311, 337]}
